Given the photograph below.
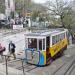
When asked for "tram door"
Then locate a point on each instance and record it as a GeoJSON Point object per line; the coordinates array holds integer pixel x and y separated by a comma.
{"type": "Point", "coordinates": [47, 50]}
{"type": "Point", "coordinates": [32, 54]}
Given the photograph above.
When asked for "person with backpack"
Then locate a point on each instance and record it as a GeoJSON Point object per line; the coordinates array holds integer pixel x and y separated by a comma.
{"type": "Point", "coordinates": [12, 49]}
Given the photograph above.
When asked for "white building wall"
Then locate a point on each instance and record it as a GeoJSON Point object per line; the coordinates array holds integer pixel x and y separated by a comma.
{"type": "Point", "coordinates": [12, 5]}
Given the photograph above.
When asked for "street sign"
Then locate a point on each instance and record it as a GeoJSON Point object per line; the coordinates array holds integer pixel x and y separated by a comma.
{"type": "Point", "coordinates": [18, 26]}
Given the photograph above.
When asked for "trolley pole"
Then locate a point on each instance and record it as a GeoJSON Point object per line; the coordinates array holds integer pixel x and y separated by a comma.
{"type": "Point", "coordinates": [23, 66]}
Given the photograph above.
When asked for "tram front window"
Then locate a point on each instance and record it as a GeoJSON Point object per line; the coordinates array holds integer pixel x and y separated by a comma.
{"type": "Point", "coordinates": [41, 44]}
{"type": "Point", "coordinates": [32, 43]}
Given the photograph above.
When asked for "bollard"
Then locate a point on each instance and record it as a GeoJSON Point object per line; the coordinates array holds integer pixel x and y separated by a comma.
{"type": "Point", "coordinates": [6, 65]}
{"type": "Point", "coordinates": [23, 66]}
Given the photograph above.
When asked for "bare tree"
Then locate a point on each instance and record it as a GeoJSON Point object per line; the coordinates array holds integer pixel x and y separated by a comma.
{"type": "Point", "coordinates": [57, 8]}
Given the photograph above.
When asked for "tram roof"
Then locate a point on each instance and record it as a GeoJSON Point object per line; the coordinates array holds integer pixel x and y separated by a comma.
{"type": "Point", "coordinates": [44, 32]}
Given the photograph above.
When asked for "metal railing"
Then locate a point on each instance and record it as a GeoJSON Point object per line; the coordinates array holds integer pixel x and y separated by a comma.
{"type": "Point", "coordinates": [18, 59]}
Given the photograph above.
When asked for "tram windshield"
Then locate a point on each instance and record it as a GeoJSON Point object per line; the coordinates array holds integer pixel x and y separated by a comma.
{"type": "Point", "coordinates": [38, 44]}
{"type": "Point", "coordinates": [32, 43]}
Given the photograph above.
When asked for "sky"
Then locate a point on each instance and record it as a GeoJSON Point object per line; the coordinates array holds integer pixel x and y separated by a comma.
{"type": "Point", "coordinates": [40, 1]}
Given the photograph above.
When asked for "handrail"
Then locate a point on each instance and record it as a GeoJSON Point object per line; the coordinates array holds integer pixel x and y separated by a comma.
{"type": "Point", "coordinates": [18, 59]}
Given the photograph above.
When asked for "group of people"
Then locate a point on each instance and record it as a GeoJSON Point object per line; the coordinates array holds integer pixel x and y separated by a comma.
{"type": "Point", "coordinates": [11, 51]}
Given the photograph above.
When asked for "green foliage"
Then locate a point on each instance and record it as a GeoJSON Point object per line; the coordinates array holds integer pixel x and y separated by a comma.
{"type": "Point", "coordinates": [57, 9]}
{"type": "Point", "coordinates": [66, 14]}
{"type": "Point", "coordinates": [2, 6]}
{"type": "Point", "coordinates": [35, 14]}
{"type": "Point", "coordinates": [69, 18]}
{"type": "Point", "coordinates": [22, 5]}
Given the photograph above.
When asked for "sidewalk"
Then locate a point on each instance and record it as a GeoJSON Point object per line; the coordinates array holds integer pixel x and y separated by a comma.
{"type": "Point", "coordinates": [11, 71]}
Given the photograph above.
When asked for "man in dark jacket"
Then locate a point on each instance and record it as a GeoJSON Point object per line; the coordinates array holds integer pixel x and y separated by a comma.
{"type": "Point", "coordinates": [12, 49]}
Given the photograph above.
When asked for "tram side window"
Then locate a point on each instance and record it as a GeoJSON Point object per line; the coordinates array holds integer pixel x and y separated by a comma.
{"type": "Point", "coordinates": [57, 38]}
{"type": "Point", "coordinates": [60, 37]}
{"type": "Point", "coordinates": [53, 40]}
{"type": "Point", "coordinates": [63, 36]}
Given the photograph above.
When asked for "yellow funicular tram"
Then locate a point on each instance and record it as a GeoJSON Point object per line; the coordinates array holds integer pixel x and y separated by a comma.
{"type": "Point", "coordinates": [44, 45]}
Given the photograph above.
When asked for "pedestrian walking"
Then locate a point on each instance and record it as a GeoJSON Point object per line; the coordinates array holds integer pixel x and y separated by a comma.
{"type": "Point", "coordinates": [12, 50]}
{"type": "Point", "coordinates": [2, 49]}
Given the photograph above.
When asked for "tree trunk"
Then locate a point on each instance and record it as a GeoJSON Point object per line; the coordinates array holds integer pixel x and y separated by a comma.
{"type": "Point", "coordinates": [62, 23]}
